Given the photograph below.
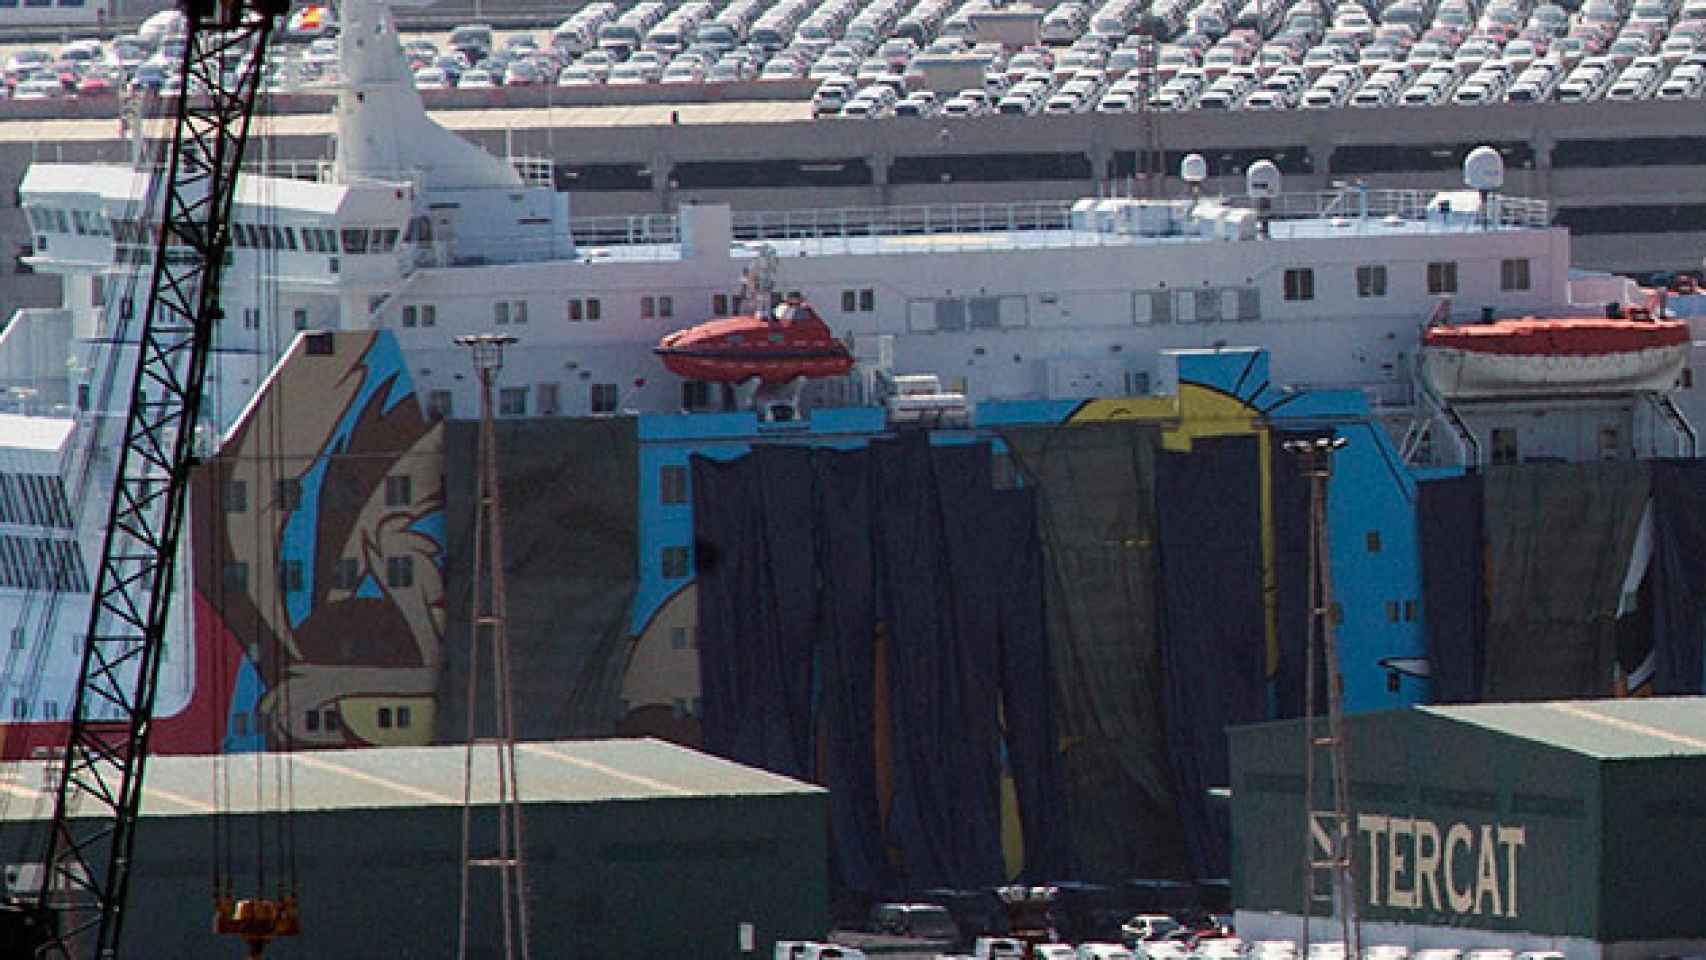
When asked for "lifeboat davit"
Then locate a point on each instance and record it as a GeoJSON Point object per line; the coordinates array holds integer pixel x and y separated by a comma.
{"type": "Point", "coordinates": [791, 342]}
{"type": "Point", "coordinates": [1555, 356]}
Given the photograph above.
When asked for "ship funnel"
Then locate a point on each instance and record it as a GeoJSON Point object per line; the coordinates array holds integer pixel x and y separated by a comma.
{"type": "Point", "coordinates": [384, 132]}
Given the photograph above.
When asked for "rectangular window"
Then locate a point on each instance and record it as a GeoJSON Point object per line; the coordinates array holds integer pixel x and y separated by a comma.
{"type": "Point", "coordinates": [604, 398]}
{"type": "Point", "coordinates": [509, 311]}
{"type": "Point", "coordinates": [403, 718]}
{"type": "Point", "coordinates": [429, 315]}
{"type": "Point", "coordinates": [547, 393]}
{"type": "Point", "coordinates": [1300, 284]}
{"type": "Point", "coordinates": [648, 308]}
{"type": "Point", "coordinates": [849, 301]}
{"type": "Point", "coordinates": [289, 494]}
{"type": "Point", "coordinates": [329, 718]}
{"type": "Point", "coordinates": [674, 562]}
{"type": "Point", "coordinates": [672, 484]}
{"type": "Point", "coordinates": [410, 315]}
{"type": "Point", "coordinates": [1610, 442]}
{"type": "Point", "coordinates": [666, 307]}
{"type": "Point", "coordinates": [1373, 540]}
{"type": "Point", "coordinates": [399, 491]}
{"type": "Point", "coordinates": [98, 291]}
{"type": "Point", "coordinates": [439, 404]}
{"type": "Point", "coordinates": [1505, 446]}
{"type": "Point", "coordinates": [290, 576]}
{"type": "Point", "coordinates": [355, 240]}
{"type": "Point", "coordinates": [1371, 280]}
{"type": "Point", "coordinates": [18, 638]}
{"type": "Point", "coordinates": [695, 394]}
{"type": "Point", "coordinates": [512, 402]}
{"type": "Point", "coordinates": [1442, 277]}
{"type": "Point", "coordinates": [1513, 274]}
{"type": "Point", "coordinates": [251, 318]}
{"type": "Point", "coordinates": [400, 571]}
{"type": "Point", "coordinates": [346, 574]}
{"type": "Point", "coordinates": [384, 718]}
{"type": "Point", "coordinates": [593, 310]}
{"type": "Point", "coordinates": [576, 311]}
{"type": "Point", "coordinates": [719, 304]}
{"type": "Point", "coordinates": [299, 318]}
{"type": "Point", "coordinates": [311, 721]}
{"type": "Point", "coordinates": [236, 496]}
{"type": "Point", "coordinates": [867, 300]}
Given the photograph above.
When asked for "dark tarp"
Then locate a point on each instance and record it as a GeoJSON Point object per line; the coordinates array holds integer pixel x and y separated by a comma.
{"type": "Point", "coordinates": [1212, 634]}
{"type": "Point", "coordinates": [1559, 538]}
{"type": "Point", "coordinates": [570, 522]}
{"type": "Point", "coordinates": [942, 564]}
{"type": "Point", "coordinates": [1678, 574]}
{"type": "Point", "coordinates": [1449, 518]}
{"type": "Point", "coordinates": [757, 607]}
{"type": "Point", "coordinates": [847, 655]}
{"type": "Point", "coordinates": [1292, 619]}
{"type": "Point", "coordinates": [1096, 509]}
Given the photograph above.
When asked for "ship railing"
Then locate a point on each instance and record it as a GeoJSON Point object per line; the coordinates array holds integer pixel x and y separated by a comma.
{"type": "Point", "coordinates": [1411, 205]}
{"type": "Point", "coordinates": [920, 220]}
{"type": "Point", "coordinates": [648, 228]}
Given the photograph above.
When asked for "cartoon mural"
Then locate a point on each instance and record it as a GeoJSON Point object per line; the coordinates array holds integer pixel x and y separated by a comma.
{"type": "Point", "coordinates": [318, 542]}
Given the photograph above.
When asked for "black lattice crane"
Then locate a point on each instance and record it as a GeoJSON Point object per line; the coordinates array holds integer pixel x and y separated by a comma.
{"type": "Point", "coordinates": [184, 245]}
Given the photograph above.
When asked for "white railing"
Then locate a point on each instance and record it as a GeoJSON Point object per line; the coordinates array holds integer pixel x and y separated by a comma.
{"type": "Point", "coordinates": [1416, 205]}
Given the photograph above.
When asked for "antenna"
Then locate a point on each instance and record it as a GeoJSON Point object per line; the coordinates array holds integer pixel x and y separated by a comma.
{"type": "Point", "coordinates": [1484, 171]}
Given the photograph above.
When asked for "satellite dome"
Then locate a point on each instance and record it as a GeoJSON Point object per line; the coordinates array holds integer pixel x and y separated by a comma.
{"type": "Point", "coordinates": [1484, 169]}
{"type": "Point", "coordinates": [1262, 180]}
{"type": "Point", "coordinates": [1194, 169]}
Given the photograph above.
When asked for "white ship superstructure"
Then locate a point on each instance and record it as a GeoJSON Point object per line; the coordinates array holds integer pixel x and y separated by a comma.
{"type": "Point", "coordinates": [414, 230]}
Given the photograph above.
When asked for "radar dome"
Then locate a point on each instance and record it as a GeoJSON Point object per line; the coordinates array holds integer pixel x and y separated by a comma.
{"type": "Point", "coordinates": [1262, 180]}
{"type": "Point", "coordinates": [1484, 169]}
{"type": "Point", "coordinates": [1194, 169]}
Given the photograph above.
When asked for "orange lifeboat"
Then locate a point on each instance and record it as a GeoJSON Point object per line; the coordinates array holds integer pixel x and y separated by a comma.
{"type": "Point", "coordinates": [1535, 356]}
{"type": "Point", "coordinates": [791, 342]}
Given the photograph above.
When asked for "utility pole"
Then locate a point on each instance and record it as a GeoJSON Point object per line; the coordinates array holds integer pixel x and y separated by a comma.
{"type": "Point", "coordinates": [486, 622]}
{"type": "Point", "coordinates": [1328, 846]}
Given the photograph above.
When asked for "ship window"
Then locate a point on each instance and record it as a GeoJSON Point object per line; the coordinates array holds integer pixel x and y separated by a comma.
{"type": "Point", "coordinates": [674, 562]}
{"type": "Point", "coordinates": [236, 496]}
{"type": "Point", "coordinates": [666, 307]}
{"type": "Point", "coordinates": [384, 718]}
{"type": "Point", "coordinates": [251, 318]}
{"type": "Point", "coordinates": [604, 398]}
{"type": "Point", "coordinates": [867, 300]}
{"type": "Point", "coordinates": [1687, 381]}
{"type": "Point", "coordinates": [429, 315]}
{"type": "Point", "coordinates": [1300, 284]}
{"type": "Point", "coordinates": [98, 292]}
{"type": "Point", "coordinates": [299, 317]}
{"type": "Point", "coordinates": [399, 491]}
{"type": "Point", "coordinates": [695, 394]}
{"type": "Point", "coordinates": [672, 484]}
{"type": "Point", "coordinates": [512, 402]}
{"type": "Point", "coordinates": [403, 718]}
{"type": "Point", "coordinates": [277, 237]}
{"type": "Point", "coordinates": [509, 311]}
{"type": "Point", "coordinates": [1442, 277]}
{"type": "Point", "coordinates": [400, 571]}
{"type": "Point", "coordinates": [385, 240]}
{"type": "Point", "coordinates": [346, 574]}
{"type": "Point", "coordinates": [951, 314]}
{"type": "Point", "coordinates": [592, 308]}
{"type": "Point", "coordinates": [548, 406]}
{"type": "Point", "coordinates": [1373, 538]}
{"type": "Point", "coordinates": [410, 315]}
{"type": "Point", "coordinates": [575, 310]}
{"type": "Point", "coordinates": [1505, 448]}
{"type": "Point", "coordinates": [439, 404]}
{"type": "Point", "coordinates": [648, 308]}
{"type": "Point", "coordinates": [1371, 280]}
{"type": "Point", "coordinates": [355, 240]}
{"type": "Point", "coordinates": [311, 721]}
{"type": "Point", "coordinates": [1610, 442]}
{"type": "Point", "coordinates": [59, 221]}
{"type": "Point", "coordinates": [1513, 274]}
{"type": "Point", "coordinates": [289, 237]}
{"type": "Point", "coordinates": [849, 301]}
{"type": "Point", "coordinates": [18, 638]}
{"type": "Point", "coordinates": [720, 304]}
{"type": "Point", "coordinates": [329, 718]}
{"type": "Point", "coordinates": [1208, 305]}
{"type": "Point", "coordinates": [1392, 610]}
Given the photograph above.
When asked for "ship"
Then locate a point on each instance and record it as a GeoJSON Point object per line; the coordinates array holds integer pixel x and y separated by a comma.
{"type": "Point", "coordinates": [1163, 344]}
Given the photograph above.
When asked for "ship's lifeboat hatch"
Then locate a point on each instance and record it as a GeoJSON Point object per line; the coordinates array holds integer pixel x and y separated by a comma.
{"type": "Point", "coordinates": [1543, 356]}
{"type": "Point", "coordinates": [791, 342]}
